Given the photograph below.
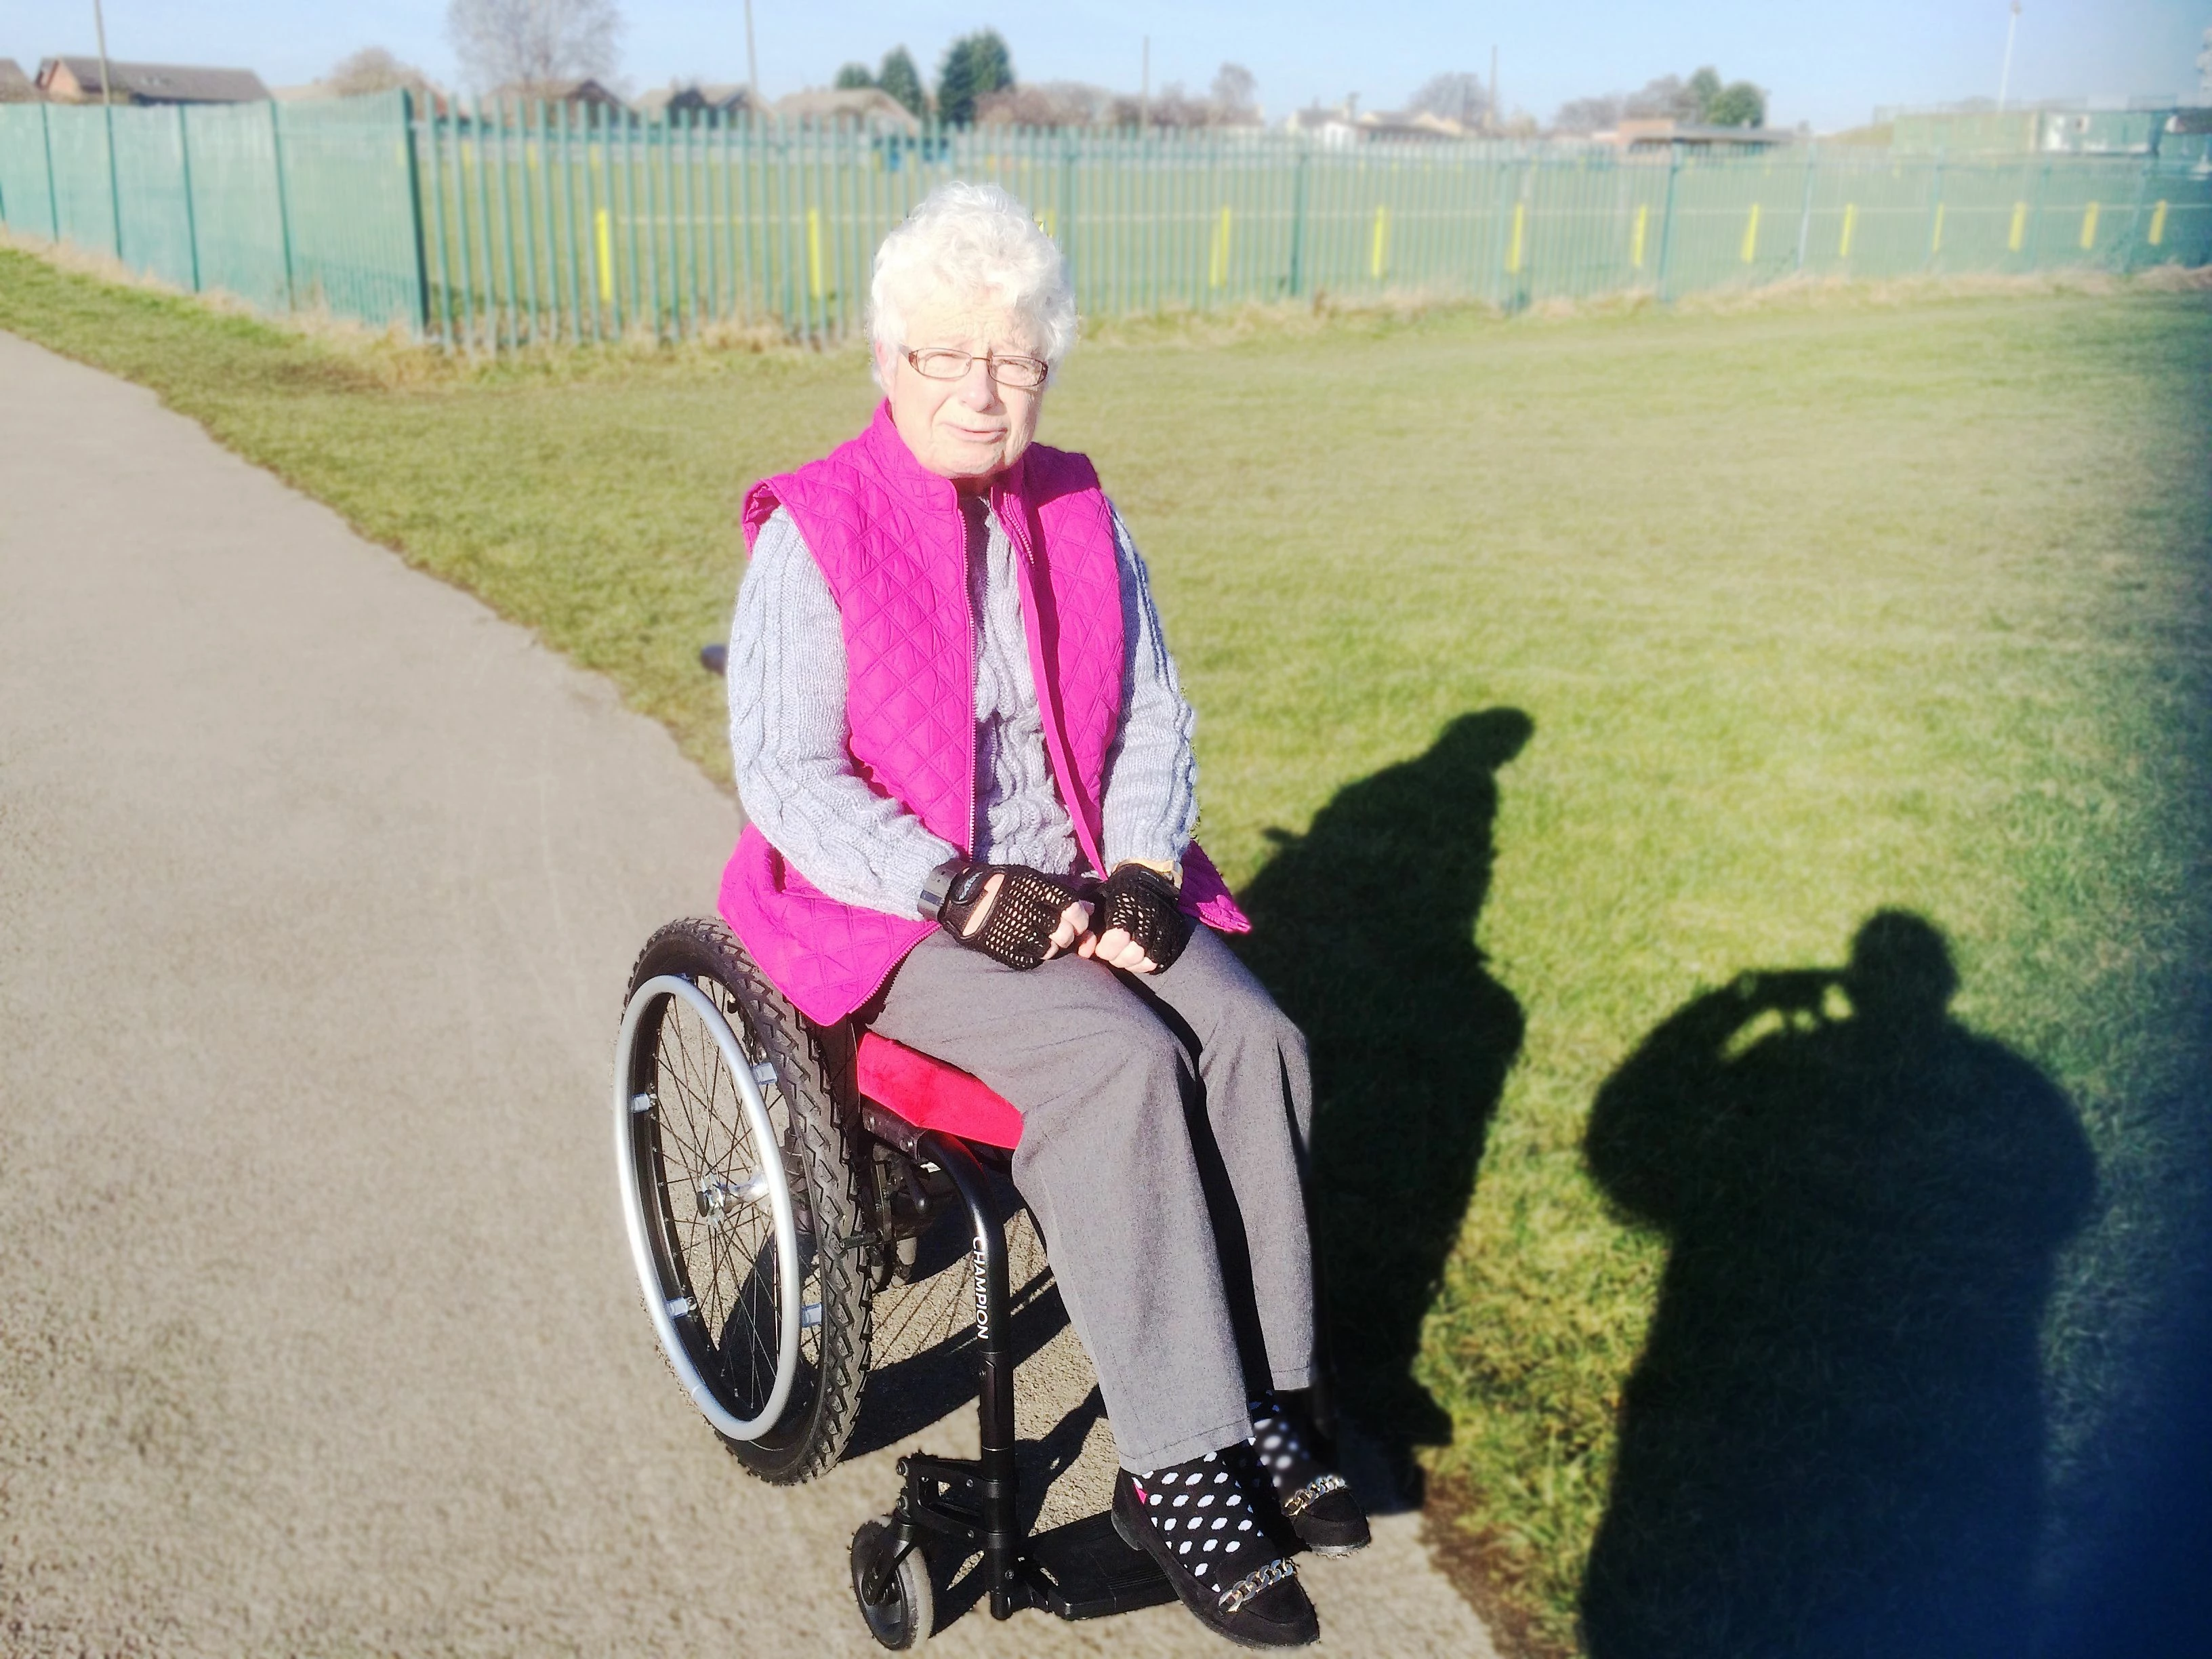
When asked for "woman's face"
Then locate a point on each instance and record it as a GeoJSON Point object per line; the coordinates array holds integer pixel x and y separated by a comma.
{"type": "Point", "coordinates": [971, 428]}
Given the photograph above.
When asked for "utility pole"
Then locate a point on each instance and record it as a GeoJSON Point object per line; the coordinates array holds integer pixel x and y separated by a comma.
{"type": "Point", "coordinates": [752, 64]}
{"type": "Point", "coordinates": [2004, 81]}
{"type": "Point", "coordinates": [1145, 89]}
{"type": "Point", "coordinates": [99, 32]}
{"type": "Point", "coordinates": [107, 114]}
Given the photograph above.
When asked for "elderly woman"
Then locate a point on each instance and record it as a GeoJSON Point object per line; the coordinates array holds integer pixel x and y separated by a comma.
{"type": "Point", "coordinates": [966, 767]}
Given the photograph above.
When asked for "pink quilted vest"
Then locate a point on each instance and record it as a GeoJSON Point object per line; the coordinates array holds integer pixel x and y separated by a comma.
{"type": "Point", "coordinates": [891, 544]}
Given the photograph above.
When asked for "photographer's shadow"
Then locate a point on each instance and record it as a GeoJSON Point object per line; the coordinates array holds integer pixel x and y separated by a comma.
{"type": "Point", "coordinates": [1363, 932]}
{"type": "Point", "coordinates": [1833, 1441]}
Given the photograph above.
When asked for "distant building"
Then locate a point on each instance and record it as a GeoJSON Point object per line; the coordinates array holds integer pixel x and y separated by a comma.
{"type": "Point", "coordinates": [867, 106]}
{"type": "Point", "coordinates": [711, 97]}
{"type": "Point", "coordinates": [1977, 128]}
{"type": "Point", "coordinates": [1346, 124]}
{"type": "Point", "coordinates": [16, 87]}
{"type": "Point", "coordinates": [1664, 131]}
{"type": "Point", "coordinates": [1414, 123]}
{"type": "Point", "coordinates": [1332, 128]}
{"type": "Point", "coordinates": [585, 93]}
{"type": "Point", "coordinates": [76, 81]}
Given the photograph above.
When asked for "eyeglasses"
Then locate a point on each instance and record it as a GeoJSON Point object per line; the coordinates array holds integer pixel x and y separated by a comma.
{"type": "Point", "coordinates": [944, 363]}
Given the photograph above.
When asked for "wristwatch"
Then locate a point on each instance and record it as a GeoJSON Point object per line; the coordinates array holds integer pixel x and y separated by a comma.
{"type": "Point", "coordinates": [938, 887]}
{"type": "Point", "coordinates": [1170, 873]}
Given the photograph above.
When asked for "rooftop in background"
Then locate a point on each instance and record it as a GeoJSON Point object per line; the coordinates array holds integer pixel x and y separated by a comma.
{"type": "Point", "coordinates": [1346, 123]}
{"type": "Point", "coordinates": [869, 107]}
{"type": "Point", "coordinates": [585, 91]}
{"type": "Point", "coordinates": [1664, 131]}
{"type": "Point", "coordinates": [16, 87]}
{"type": "Point", "coordinates": [723, 97]}
{"type": "Point", "coordinates": [75, 80]}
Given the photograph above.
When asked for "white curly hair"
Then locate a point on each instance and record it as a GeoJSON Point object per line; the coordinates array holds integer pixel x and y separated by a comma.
{"type": "Point", "coordinates": [967, 242]}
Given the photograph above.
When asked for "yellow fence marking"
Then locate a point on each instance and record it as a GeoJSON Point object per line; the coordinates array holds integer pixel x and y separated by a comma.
{"type": "Point", "coordinates": [606, 256]}
{"type": "Point", "coordinates": [1382, 243]}
{"type": "Point", "coordinates": [814, 252]}
{"type": "Point", "coordinates": [1216, 266]}
{"type": "Point", "coordinates": [2019, 237]}
{"type": "Point", "coordinates": [2089, 226]}
{"type": "Point", "coordinates": [1636, 242]}
{"type": "Point", "coordinates": [2158, 224]}
{"type": "Point", "coordinates": [1751, 235]}
{"type": "Point", "coordinates": [1520, 236]}
{"type": "Point", "coordinates": [1045, 222]}
{"type": "Point", "coordinates": [1850, 223]}
{"type": "Point", "coordinates": [1935, 241]}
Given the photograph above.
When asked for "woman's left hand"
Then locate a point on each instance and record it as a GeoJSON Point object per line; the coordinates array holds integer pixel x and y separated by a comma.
{"type": "Point", "coordinates": [1117, 949]}
{"type": "Point", "coordinates": [1142, 929]}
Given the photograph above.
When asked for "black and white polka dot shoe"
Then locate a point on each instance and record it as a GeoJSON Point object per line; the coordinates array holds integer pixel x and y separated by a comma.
{"type": "Point", "coordinates": [1197, 1521]}
{"type": "Point", "coordinates": [1313, 1500]}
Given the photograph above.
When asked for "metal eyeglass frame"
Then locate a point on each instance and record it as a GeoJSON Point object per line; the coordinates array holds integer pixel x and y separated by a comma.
{"type": "Point", "coordinates": [991, 363]}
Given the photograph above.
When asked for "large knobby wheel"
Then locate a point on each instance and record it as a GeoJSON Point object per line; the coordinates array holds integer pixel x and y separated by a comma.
{"type": "Point", "coordinates": [742, 1202]}
{"type": "Point", "coordinates": [894, 1590]}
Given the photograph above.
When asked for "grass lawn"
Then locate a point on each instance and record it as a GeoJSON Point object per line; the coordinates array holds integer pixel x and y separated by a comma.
{"type": "Point", "coordinates": [1553, 674]}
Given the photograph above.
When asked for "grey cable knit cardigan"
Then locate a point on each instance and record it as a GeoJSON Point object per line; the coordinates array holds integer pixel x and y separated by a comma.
{"type": "Point", "coordinates": [787, 732]}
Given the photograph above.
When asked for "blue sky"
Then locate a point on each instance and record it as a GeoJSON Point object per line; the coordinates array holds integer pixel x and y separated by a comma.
{"type": "Point", "coordinates": [1827, 63]}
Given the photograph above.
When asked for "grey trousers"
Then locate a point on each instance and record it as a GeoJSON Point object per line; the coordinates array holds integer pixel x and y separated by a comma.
{"type": "Point", "coordinates": [1164, 1129]}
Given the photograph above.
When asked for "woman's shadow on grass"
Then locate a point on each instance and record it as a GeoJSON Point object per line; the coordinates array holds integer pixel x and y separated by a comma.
{"type": "Point", "coordinates": [1833, 1441]}
{"type": "Point", "coordinates": [1363, 931]}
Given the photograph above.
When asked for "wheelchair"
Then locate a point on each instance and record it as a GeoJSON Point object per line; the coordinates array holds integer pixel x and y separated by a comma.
{"type": "Point", "coordinates": [777, 1180]}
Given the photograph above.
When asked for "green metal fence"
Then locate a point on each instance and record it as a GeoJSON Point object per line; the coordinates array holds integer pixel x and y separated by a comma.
{"type": "Point", "coordinates": [488, 227]}
{"type": "Point", "coordinates": [285, 205]}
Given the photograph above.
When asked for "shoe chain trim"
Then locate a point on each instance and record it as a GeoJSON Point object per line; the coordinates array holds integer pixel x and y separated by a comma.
{"type": "Point", "coordinates": [1252, 1583]}
{"type": "Point", "coordinates": [1312, 1493]}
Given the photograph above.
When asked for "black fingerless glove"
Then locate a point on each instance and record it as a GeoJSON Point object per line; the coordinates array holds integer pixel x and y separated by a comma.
{"type": "Point", "coordinates": [1143, 904]}
{"type": "Point", "coordinates": [1018, 930]}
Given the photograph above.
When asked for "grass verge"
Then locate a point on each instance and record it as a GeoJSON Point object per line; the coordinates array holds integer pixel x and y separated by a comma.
{"type": "Point", "coordinates": [1553, 672]}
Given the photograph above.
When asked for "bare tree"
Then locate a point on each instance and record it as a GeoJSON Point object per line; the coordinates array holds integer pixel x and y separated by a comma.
{"type": "Point", "coordinates": [1599, 114]}
{"type": "Point", "coordinates": [1237, 94]}
{"type": "Point", "coordinates": [1666, 97]}
{"type": "Point", "coordinates": [373, 69]}
{"type": "Point", "coordinates": [1079, 104]}
{"type": "Point", "coordinates": [1456, 95]}
{"type": "Point", "coordinates": [531, 44]}
{"type": "Point", "coordinates": [1047, 104]}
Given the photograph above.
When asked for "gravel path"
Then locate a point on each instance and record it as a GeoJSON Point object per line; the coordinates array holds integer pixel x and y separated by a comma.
{"type": "Point", "coordinates": [319, 885]}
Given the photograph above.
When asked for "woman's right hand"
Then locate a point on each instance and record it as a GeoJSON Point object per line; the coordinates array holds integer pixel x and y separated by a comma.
{"type": "Point", "coordinates": [1013, 915]}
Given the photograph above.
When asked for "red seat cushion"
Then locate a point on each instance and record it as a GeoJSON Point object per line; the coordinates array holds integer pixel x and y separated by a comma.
{"type": "Point", "coordinates": [931, 1095]}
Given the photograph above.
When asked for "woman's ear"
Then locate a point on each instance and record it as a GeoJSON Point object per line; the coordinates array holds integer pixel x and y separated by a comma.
{"type": "Point", "coordinates": [886, 358]}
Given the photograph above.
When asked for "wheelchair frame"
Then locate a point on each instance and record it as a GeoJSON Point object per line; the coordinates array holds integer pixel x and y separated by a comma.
{"type": "Point", "coordinates": [954, 1508]}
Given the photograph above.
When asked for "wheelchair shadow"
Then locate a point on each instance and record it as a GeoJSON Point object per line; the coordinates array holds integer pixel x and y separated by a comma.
{"type": "Point", "coordinates": [1833, 1441]}
{"type": "Point", "coordinates": [1041, 1462]}
{"type": "Point", "coordinates": [917, 1391]}
{"type": "Point", "coordinates": [1363, 931]}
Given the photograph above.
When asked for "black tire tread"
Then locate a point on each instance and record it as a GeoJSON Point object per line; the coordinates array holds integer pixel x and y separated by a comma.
{"type": "Point", "coordinates": [822, 1112]}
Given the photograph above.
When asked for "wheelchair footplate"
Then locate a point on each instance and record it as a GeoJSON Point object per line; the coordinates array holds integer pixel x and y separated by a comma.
{"type": "Point", "coordinates": [951, 1508]}
{"type": "Point", "coordinates": [1084, 1571]}
{"type": "Point", "coordinates": [1079, 1570]}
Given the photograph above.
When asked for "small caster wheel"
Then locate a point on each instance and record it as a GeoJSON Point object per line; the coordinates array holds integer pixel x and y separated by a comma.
{"type": "Point", "coordinates": [893, 1589]}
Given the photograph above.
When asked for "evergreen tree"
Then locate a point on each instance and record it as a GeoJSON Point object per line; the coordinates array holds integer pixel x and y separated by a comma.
{"type": "Point", "coordinates": [973, 65]}
{"type": "Point", "coordinates": [1739, 104]}
{"type": "Point", "coordinates": [1699, 93]}
{"type": "Point", "coordinates": [900, 78]}
{"type": "Point", "coordinates": [854, 76]}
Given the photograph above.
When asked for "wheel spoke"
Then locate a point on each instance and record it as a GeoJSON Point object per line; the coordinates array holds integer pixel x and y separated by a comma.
{"type": "Point", "coordinates": [704, 1164]}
